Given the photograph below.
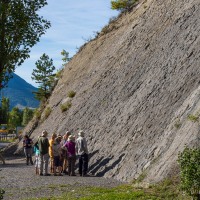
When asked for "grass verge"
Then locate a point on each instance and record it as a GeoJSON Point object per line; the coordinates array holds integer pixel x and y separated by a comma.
{"type": "Point", "coordinates": [167, 189]}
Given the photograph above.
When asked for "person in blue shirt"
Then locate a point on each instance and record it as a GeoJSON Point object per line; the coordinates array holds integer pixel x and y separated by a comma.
{"type": "Point", "coordinates": [37, 158]}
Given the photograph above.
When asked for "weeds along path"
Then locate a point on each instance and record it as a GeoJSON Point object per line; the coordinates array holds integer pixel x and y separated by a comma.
{"type": "Point", "coordinates": [20, 182]}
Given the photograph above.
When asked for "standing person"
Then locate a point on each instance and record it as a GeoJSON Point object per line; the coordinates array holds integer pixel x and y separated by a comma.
{"type": "Point", "coordinates": [82, 152]}
{"type": "Point", "coordinates": [27, 144]}
{"type": "Point", "coordinates": [57, 152]}
{"type": "Point", "coordinates": [64, 151]}
{"type": "Point", "coordinates": [37, 158]}
{"type": "Point", "coordinates": [71, 155]}
{"type": "Point", "coordinates": [51, 142]}
{"type": "Point", "coordinates": [43, 144]}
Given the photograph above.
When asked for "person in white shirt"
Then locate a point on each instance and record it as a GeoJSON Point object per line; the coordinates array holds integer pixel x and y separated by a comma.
{"type": "Point", "coordinates": [82, 152]}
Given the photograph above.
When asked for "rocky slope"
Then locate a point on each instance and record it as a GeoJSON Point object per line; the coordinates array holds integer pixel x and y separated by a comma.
{"type": "Point", "coordinates": [136, 84]}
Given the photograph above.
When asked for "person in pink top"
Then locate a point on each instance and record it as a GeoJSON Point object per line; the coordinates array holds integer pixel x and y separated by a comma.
{"type": "Point", "coordinates": [71, 151]}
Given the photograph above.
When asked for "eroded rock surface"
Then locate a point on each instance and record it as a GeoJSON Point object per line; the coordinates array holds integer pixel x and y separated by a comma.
{"type": "Point", "coordinates": [135, 87]}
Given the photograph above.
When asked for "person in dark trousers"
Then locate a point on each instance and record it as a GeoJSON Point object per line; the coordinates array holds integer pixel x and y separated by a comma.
{"type": "Point", "coordinates": [71, 155]}
{"type": "Point", "coordinates": [27, 144]}
{"type": "Point", "coordinates": [82, 152]}
{"type": "Point", "coordinates": [43, 144]}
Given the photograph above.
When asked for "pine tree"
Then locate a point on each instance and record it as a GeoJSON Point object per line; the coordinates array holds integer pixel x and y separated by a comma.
{"type": "Point", "coordinates": [43, 74]}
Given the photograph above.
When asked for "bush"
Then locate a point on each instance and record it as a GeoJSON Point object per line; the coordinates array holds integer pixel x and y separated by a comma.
{"type": "Point", "coordinates": [189, 162]}
{"type": "Point", "coordinates": [64, 107]}
{"type": "Point", "coordinates": [47, 112]}
{"type": "Point", "coordinates": [37, 113]}
{"type": "Point", "coordinates": [122, 5]}
{"type": "Point", "coordinates": [193, 118]}
{"type": "Point", "coordinates": [71, 94]}
{"type": "Point", "coordinates": [177, 124]}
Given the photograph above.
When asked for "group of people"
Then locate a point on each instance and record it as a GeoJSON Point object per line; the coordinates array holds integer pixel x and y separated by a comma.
{"type": "Point", "coordinates": [60, 151]}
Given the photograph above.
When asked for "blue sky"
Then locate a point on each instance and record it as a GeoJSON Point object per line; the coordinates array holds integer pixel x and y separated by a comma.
{"type": "Point", "coordinates": [72, 23]}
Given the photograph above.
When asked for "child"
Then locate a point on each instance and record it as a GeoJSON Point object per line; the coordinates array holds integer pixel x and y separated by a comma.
{"type": "Point", "coordinates": [37, 158]}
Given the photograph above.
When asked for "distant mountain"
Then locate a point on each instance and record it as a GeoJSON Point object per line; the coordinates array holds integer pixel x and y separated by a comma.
{"type": "Point", "coordinates": [20, 93]}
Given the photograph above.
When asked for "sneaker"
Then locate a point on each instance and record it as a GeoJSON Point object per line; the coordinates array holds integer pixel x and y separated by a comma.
{"type": "Point", "coordinates": [47, 175]}
{"type": "Point", "coordinates": [85, 175]}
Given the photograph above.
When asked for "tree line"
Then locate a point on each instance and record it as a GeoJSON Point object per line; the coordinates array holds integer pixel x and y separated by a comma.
{"type": "Point", "coordinates": [15, 117]}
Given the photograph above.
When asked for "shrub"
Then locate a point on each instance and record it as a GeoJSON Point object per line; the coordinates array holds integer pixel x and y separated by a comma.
{"type": "Point", "coordinates": [47, 112]}
{"type": "Point", "coordinates": [122, 5]}
{"type": "Point", "coordinates": [37, 113]}
{"type": "Point", "coordinates": [189, 162]}
{"type": "Point", "coordinates": [193, 118]}
{"type": "Point", "coordinates": [2, 192]}
{"type": "Point", "coordinates": [71, 94]}
{"type": "Point", "coordinates": [177, 124]}
{"type": "Point", "coordinates": [64, 107]}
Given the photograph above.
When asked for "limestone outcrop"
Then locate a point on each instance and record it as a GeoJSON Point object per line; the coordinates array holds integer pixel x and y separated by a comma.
{"type": "Point", "coordinates": [136, 84]}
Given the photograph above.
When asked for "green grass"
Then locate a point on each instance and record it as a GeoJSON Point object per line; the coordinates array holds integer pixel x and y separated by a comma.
{"type": "Point", "coordinates": [166, 190]}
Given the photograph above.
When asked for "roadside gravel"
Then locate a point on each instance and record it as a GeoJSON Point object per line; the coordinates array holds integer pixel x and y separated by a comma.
{"type": "Point", "coordinates": [20, 182]}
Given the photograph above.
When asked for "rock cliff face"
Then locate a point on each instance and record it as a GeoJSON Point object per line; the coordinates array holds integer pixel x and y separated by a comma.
{"type": "Point", "coordinates": [136, 84]}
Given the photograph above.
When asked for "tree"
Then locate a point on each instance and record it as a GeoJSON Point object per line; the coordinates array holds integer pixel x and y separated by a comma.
{"type": "Point", "coordinates": [27, 116]}
{"type": "Point", "coordinates": [65, 60]}
{"type": "Point", "coordinates": [20, 29]}
{"type": "Point", "coordinates": [44, 76]}
{"type": "Point", "coordinates": [122, 4]}
{"type": "Point", "coordinates": [4, 110]}
{"type": "Point", "coordinates": [189, 162]}
{"type": "Point", "coordinates": [66, 57]}
{"type": "Point", "coordinates": [15, 117]}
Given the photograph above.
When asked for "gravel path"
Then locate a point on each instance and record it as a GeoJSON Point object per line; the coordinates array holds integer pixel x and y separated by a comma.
{"type": "Point", "coordinates": [20, 182]}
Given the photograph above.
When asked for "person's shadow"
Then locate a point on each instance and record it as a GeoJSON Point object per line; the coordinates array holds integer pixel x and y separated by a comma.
{"type": "Point", "coordinates": [101, 162]}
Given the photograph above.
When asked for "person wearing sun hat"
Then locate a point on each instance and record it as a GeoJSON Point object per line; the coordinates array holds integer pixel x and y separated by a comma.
{"type": "Point", "coordinates": [43, 144]}
{"type": "Point", "coordinates": [82, 152]}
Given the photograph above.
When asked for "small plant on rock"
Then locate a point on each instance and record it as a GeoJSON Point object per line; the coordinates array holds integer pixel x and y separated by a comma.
{"type": "Point", "coordinates": [122, 5]}
{"type": "Point", "coordinates": [37, 113]}
{"type": "Point", "coordinates": [64, 107]}
{"type": "Point", "coordinates": [71, 94]}
{"type": "Point", "coordinates": [177, 124]}
{"type": "Point", "coordinates": [47, 112]}
{"type": "Point", "coordinates": [193, 118]}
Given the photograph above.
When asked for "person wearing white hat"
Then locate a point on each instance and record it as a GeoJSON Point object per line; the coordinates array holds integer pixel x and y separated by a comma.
{"type": "Point", "coordinates": [82, 152]}
{"type": "Point", "coordinates": [43, 144]}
